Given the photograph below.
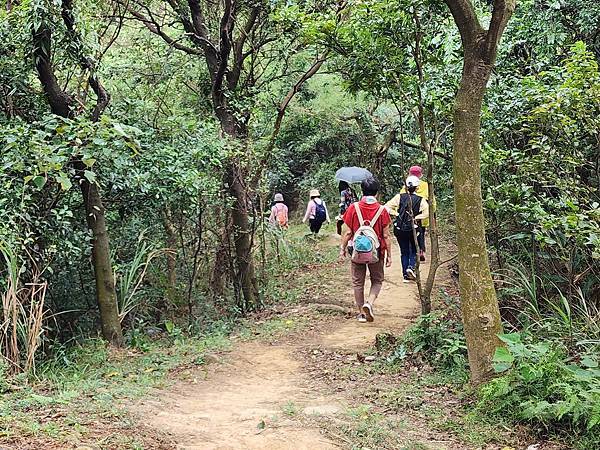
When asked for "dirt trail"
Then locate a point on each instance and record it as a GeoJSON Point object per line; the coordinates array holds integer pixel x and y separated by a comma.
{"type": "Point", "coordinates": [246, 402]}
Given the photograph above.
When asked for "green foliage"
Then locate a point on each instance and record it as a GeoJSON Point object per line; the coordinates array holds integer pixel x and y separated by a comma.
{"type": "Point", "coordinates": [540, 181]}
{"type": "Point", "coordinates": [540, 383]}
{"type": "Point", "coordinates": [438, 340]}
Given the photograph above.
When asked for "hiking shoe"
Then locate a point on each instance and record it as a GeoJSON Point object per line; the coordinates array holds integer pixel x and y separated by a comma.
{"type": "Point", "coordinates": [361, 318]}
{"type": "Point", "coordinates": [405, 280]}
{"type": "Point", "coordinates": [368, 311]}
{"type": "Point", "coordinates": [422, 256]}
{"type": "Point", "coordinates": [410, 273]}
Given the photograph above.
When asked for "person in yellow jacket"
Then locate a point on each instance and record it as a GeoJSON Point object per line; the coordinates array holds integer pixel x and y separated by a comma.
{"type": "Point", "coordinates": [423, 192]}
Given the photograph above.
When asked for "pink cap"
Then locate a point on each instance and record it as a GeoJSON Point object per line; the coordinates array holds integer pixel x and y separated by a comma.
{"type": "Point", "coordinates": [416, 171]}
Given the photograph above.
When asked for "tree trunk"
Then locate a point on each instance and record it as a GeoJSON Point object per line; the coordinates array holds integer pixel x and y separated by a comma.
{"type": "Point", "coordinates": [434, 253]}
{"type": "Point", "coordinates": [171, 254]}
{"type": "Point", "coordinates": [220, 267]}
{"type": "Point", "coordinates": [242, 238]}
{"type": "Point", "coordinates": [425, 291]}
{"type": "Point", "coordinates": [61, 104]}
{"type": "Point", "coordinates": [106, 294]}
{"type": "Point", "coordinates": [481, 315]}
{"type": "Point", "coordinates": [381, 153]}
{"type": "Point", "coordinates": [234, 178]}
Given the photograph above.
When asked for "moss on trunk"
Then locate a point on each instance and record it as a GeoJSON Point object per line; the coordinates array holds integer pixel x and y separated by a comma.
{"type": "Point", "coordinates": [481, 315]}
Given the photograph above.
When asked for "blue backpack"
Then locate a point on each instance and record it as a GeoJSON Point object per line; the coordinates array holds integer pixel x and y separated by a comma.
{"type": "Point", "coordinates": [320, 213]}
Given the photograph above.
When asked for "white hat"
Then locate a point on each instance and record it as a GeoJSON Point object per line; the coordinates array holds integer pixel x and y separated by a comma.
{"type": "Point", "coordinates": [412, 181]}
{"type": "Point", "coordinates": [278, 198]}
{"type": "Point", "coordinates": [314, 193]}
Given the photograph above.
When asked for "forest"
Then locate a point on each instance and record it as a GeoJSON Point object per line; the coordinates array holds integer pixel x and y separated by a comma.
{"type": "Point", "coordinates": [142, 143]}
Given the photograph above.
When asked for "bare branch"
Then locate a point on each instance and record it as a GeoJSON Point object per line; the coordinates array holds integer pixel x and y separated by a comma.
{"type": "Point", "coordinates": [120, 19]}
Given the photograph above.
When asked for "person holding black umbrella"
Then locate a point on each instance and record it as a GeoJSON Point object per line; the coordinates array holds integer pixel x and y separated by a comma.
{"type": "Point", "coordinates": [347, 197]}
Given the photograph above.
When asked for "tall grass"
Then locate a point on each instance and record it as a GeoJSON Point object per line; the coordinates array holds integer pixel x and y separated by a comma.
{"type": "Point", "coordinates": [23, 315]}
{"type": "Point", "coordinates": [130, 278]}
{"type": "Point", "coordinates": [542, 303]}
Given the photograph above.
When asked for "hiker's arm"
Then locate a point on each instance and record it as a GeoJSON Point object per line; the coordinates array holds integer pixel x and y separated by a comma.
{"type": "Point", "coordinates": [307, 214]}
{"type": "Point", "coordinates": [272, 216]}
{"type": "Point", "coordinates": [326, 212]}
{"type": "Point", "coordinates": [345, 239]}
{"type": "Point", "coordinates": [388, 245]}
{"type": "Point", "coordinates": [423, 210]}
{"type": "Point", "coordinates": [393, 205]}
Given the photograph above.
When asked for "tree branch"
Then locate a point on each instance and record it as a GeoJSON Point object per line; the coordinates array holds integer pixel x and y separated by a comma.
{"type": "Point", "coordinates": [225, 30]}
{"type": "Point", "coordinates": [154, 28]}
{"type": "Point", "coordinates": [86, 63]}
{"type": "Point", "coordinates": [198, 20]}
{"type": "Point", "coordinates": [238, 47]}
{"type": "Point", "coordinates": [199, 32]}
{"type": "Point", "coordinates": [466, 20]}
{"type": "Point", "coordinates": [281, 110]}
{"type": "Point", "coordinates": [503, 10]}
{"type": "Point", "coordinates": [60, 102]}
{"type": "Point", "coordinates": [419, 147]}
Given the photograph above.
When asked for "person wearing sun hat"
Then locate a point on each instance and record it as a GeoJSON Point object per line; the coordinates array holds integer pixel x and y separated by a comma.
{"type": "Point", "coordinates": [279, 212]}
{"type": "Point", "coordinates": [316, 212]}
{"type": "Point", "coordinates": [412, 208]}
{"type": "Point", "coordinates": [423, 192]}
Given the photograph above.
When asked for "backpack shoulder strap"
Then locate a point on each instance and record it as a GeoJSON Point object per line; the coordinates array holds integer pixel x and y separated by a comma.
{"type": "Point", "coordinates": [417, 203]}
{"type": "Point", "coordinates": [361, 221]}
{"type": "Point", "coordinates": [377, 214]}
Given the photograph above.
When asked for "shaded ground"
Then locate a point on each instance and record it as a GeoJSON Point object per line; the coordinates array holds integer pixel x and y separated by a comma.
{"type": "Point", "coordinates": [275, 395]}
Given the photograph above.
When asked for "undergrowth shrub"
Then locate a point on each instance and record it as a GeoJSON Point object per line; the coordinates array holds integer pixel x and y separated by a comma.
{"type": "Point", "coordinates": [437, 340]}
{"type": "Point", "coordinates": [541, 384]}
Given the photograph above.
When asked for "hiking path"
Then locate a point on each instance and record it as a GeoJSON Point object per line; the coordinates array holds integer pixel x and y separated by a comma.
{"type": "Point", "coordinates": [256, 395]}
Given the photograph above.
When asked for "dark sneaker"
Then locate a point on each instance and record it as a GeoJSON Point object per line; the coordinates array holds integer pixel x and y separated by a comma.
{"type": "Point", "coordinates": [368, 312]}
{"type": "Point", "coordinates": [410, 273]}
{"type": "Point", "coordinates": [422, 256]}
{"type": "Point", "coordinates": [361, 318]}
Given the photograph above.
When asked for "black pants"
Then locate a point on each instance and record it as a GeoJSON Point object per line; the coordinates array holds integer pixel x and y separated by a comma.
{"type": "Point", "coordinates": [339, 226]}
{"type": "Point", "coordinates": [315, 225]}
{"type": "Point", "coordinates": [421, 237]}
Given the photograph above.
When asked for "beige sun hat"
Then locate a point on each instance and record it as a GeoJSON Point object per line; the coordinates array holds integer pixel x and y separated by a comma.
{"type": "Point", "coordinates": [278, 198]}
{"type": "Point", "coordinates": [314, 193]}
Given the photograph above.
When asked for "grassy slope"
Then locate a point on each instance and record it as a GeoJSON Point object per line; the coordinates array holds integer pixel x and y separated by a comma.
{"type": "Point", "coordinates": [76, 397]}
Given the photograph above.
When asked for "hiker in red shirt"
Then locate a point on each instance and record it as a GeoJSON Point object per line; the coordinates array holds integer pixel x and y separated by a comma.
{"type": "Point", "coordinates": [370, 210]}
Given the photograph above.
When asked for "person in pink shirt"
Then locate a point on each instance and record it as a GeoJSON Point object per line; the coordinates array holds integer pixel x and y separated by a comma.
{"type": "Point", "coordinates": [316, 212]}
{"type": "Point", "coordinates": [279, 212]}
